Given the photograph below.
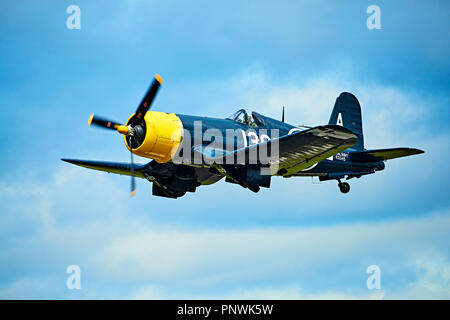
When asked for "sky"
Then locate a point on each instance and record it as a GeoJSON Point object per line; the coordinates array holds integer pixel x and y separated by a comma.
{"type": "Point", "coordinates": [297, 240]}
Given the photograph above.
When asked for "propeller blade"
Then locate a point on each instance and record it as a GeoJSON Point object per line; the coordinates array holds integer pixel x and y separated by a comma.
{"type": "Point", "coordinates": [133, 182]}
{"type": "Point", "coordinates": [107, 124]}
{"type": "Point", "coordinates": [145, 104]}
{"type": "Point", "coordinates": [103, 122]}
{"type": "Point", "coordinates": [282, 115]}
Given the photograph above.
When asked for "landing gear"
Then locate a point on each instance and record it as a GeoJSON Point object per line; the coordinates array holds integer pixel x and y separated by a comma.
{"type": "Point", "coordinates": [343, 186]}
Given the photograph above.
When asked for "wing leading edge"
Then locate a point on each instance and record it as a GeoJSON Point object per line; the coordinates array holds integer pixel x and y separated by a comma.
{"type": "Point", "coordinates": [111, 167]}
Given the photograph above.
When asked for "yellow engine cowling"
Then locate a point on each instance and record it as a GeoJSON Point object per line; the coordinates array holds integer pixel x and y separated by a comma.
{"type": "Point", "coordinates": [163, 136]}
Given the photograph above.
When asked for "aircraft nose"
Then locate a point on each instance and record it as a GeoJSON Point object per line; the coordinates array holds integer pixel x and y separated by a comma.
{"type": "Point", "coordinates": [162, 136]}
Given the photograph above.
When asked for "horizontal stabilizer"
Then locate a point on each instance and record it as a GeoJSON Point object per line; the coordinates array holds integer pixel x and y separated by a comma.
{"type": "Point", "coordinates": [112, 167]}
{"type": "Point", "coordinates": [383, 154]}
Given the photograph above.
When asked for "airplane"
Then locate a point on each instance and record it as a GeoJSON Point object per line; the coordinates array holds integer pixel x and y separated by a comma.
{"type": "Point", "coordinates": [190, 151]}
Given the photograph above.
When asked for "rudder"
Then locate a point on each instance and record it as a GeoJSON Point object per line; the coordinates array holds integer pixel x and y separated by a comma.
{"type": "Point", "coordinates": [347, 113]}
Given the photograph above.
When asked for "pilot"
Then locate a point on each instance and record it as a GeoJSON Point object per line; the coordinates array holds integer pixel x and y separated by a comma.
{"type": "Point", "coordinates": [249, 118]}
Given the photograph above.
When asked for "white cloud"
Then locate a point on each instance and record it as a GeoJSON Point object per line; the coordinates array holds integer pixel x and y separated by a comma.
{"type": "Point", "coordinates": [290, 292]}
{"type": "Point", "coordinates": [432, 278]}
{"type": "Point", "coordinates": [208, 257]}
{"type": "Point", "coordinates": [388, 112]}
{"type": "Point", "coordinates": [152, 260]}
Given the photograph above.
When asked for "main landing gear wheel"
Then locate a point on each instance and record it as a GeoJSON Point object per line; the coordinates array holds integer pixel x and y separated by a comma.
{"type": "Point", "coordinates": [344, 187]}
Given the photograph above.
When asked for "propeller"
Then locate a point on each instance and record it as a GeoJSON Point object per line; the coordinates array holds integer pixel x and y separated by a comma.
{"type": "Point", "coordinates": [135, 129]}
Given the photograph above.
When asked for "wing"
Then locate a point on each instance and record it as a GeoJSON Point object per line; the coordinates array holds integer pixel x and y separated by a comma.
{"type": "Point", "coordinates": [383, 154]}
{"type": "Point", "coordinates": [296, 151]}
{"type": "Point", "coordinates": [169, 180]}
{"type": "Point", "coordinates": [308, 147]}
{"type": "Point", "coordinates": [111, 167]}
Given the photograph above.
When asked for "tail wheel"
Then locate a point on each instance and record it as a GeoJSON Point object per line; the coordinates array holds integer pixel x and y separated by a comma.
{"type": "Point", "coordinates": [344, 187]}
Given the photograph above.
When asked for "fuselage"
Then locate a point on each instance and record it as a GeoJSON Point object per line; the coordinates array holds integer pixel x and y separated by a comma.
{"type": "Point", "coordinates": [179, 136]}
{"type": "Point", "coordinates": [206, 129]}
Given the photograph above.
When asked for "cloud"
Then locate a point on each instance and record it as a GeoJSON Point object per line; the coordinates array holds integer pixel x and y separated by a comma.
{"type": "Point", "coordinates": [432, 281]}
{"type": "Point", "coordinates": [290, 292]}
{"type": "Point", "coordinates": [387, 110]}
{"type": "Point", "coordinates": [389, 113]}
{"type": "Point", "coordinates": [177, 253]}
{"type": "Point", "coordinates": [125, 255]}
{"type": "Point", "coordinates": [293, 253]}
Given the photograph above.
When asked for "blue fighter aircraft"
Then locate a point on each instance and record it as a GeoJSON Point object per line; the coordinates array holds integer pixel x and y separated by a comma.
{"type": "Point", "coordinates": [246, 148]}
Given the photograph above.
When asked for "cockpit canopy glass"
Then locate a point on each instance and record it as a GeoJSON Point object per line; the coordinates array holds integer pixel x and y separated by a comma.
{"type": "Point", "coordinates": [248, 117]}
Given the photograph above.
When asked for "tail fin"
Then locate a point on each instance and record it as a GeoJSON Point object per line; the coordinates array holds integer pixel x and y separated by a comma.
{"type": "Point", "coordinates": [347, 113]}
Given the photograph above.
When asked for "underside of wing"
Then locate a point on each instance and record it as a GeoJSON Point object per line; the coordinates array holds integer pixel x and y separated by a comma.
{"type": "Point", "coordinates": [111, 167]}
{"type": "Point", "coordinates": [169, 180]}
{"type": "Point", "coordinates": [383, 154]}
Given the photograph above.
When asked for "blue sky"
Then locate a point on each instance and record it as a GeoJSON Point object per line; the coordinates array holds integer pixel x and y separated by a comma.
{"type": "Point", "coordinates": [298, 239]}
